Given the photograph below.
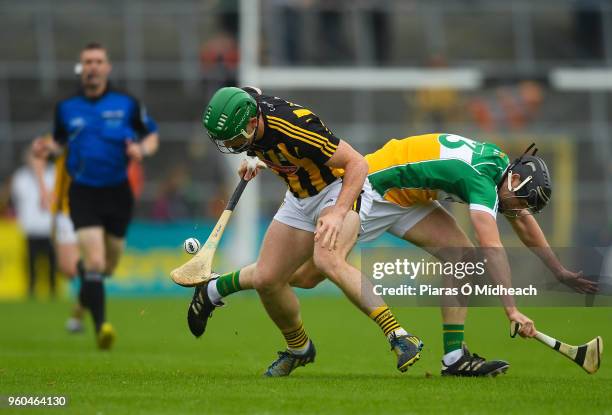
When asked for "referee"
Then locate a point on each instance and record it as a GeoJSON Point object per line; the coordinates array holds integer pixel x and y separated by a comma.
{"type": "Point", "coordinates": [101, 129]}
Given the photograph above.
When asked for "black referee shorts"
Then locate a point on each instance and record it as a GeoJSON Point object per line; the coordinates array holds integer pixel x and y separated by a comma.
{"type": "Point", "coordinates": [110, 207]}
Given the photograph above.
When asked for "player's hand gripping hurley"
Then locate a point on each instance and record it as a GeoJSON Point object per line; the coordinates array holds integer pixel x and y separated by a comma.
{"type": "Point", "coordinates": [197, 270]}
{"type": "Point", "coordinates": [587, 356]}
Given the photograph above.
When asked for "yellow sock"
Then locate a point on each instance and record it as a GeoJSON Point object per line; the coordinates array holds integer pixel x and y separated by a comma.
{"type": "Point", "coordinates": [297, 339]}
{"type": "Point", "coordinates": [385, 320]}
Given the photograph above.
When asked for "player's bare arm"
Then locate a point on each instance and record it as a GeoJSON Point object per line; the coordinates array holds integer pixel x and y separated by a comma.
{"type": "Point", "coordinates": [355, 171]}
{"type": "Point", "coordinates": [530, 233]}
{"type": "Point", "coordinates": [497, 264]}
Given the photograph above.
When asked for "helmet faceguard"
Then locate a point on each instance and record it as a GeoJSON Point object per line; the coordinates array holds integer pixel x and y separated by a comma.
{"type": "Point", "coordinates": [226, 147]}
{"type": "Point", "coordinates": [535, 186]}
{"type": "Point", "coordinates": [226, 119]}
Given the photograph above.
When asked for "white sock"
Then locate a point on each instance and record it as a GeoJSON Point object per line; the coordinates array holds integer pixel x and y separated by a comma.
{"type": "Point", "coordinates": [74, 324]}
{"type": "Point", "coordinates": [213, 293]}
{"type": "Point", "coordinates": [451, 357]}
{"type": "Point", "coordinates": [397, 332]}
{"type": "Point", "coordinates": [301, 350]}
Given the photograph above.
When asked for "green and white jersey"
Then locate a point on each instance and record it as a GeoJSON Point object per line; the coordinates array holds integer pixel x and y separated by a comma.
{"type": "Point", "coordinates": [438, 167]}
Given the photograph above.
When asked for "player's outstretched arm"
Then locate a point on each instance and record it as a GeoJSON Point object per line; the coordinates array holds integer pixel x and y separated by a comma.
{"type": "Point", "coordinates": [532, 236]}
{"type": "Point", "coordinates": [498, 267]}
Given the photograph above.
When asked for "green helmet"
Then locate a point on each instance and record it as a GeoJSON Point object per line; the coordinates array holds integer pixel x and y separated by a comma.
{"type": "Point", "coordinates": [227, 116]}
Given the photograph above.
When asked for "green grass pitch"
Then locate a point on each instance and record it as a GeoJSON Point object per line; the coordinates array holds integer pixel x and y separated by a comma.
{"type": "Point", "coordinates": [156, 366]}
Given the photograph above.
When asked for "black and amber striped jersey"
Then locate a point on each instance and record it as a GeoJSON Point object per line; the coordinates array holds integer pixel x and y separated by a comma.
{"type": "Point", "coordinates": [295, 145]}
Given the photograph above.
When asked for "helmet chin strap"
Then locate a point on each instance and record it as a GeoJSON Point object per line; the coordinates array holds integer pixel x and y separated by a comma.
{"type": "Point", "coordinates": [251, 137]}
{"type": "Point", "coordinates": [247, 135]}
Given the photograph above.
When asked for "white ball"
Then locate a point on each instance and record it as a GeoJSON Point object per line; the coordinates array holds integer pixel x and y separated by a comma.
{"type": "Point", "coordinates": [191, 246]}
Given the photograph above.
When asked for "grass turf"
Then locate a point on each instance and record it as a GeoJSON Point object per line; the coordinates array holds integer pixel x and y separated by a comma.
{"type": "Point", "coordinates": [157, 367]}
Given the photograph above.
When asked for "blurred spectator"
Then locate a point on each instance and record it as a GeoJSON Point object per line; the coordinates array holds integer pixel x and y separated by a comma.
{"type": "Point", "coordinates": [219, 55]}
{"type": "Point", "coordinates": [136, 177]}
{"type": "Point", "coordinates": [211, 181]}
{"type": "Point", "coordinates": [170, 202]}
{"type": "Point", "coordinates": [376, 19]}
{"type": "Point", "coordinates": [588, 29]}
{"type": "Point", "coordinates": [286, 48]}
{"type": "Point", "coordinates": [511, 108]}
{"type": "Point", "coordinates": [328, 31]}
{"type": "Point", "coordinates": [219, 58]}
{"type": "Point", "coordinates": [334, 31]}
{"type": "Point", "coordinates": [217, 203]}
{"type": "Point", "coordinates": [34, 220]}
{"type": "Point", "coordinates": [5, 196]}
{"type": "Point", "coordinates": [434, 108]}
{"type": "Point", "coordinates": [228, 16]}
{"type": "Point", "coordinates": [333, 47]}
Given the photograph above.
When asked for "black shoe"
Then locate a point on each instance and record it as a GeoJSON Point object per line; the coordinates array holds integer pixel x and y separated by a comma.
{"type": "Point", "coordinates": [201, 308]}
{"type": "Point", "coordinates": [472, 365]}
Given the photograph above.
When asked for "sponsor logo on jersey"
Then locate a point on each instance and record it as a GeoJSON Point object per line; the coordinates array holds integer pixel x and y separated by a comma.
{"type": "Point", "coordinates": [113, 114]}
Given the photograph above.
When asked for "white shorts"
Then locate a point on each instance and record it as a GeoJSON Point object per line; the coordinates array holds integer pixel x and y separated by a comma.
{"type": "Point", "coordinates": [378, 215]}
{"type": "Point", "coordinates": [64, 230]}
{"type": "Point", "coordinates": [304, 213]}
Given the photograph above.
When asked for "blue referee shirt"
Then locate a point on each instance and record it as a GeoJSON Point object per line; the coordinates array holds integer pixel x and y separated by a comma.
{"type": "Point", "coordinates": [96, 132]}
